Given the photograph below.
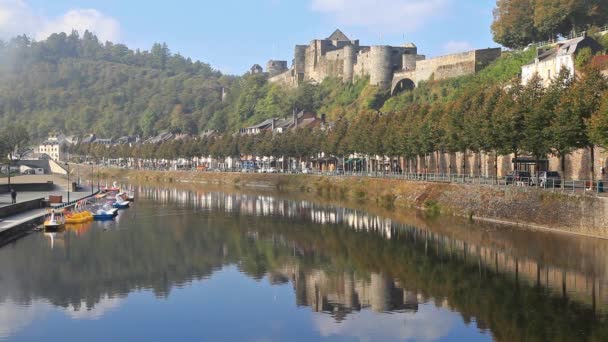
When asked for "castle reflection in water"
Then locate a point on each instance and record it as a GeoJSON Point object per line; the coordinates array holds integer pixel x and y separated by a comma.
{"type": "Point", "coordinates": [336, 294]}
{"type": "Point", "coordinates": [581, 277]}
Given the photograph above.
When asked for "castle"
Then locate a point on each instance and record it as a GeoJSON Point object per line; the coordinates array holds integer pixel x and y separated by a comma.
{"type": "Point", "coordinates": [394, 67]}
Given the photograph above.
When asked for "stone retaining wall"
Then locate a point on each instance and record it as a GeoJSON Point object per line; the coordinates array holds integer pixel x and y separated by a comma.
{"type": "Point", "coordinates": [572, 213]}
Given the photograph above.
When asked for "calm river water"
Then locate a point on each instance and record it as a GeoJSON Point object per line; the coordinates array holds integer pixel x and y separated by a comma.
{"type": "Point", "coordinates": [213, 266]}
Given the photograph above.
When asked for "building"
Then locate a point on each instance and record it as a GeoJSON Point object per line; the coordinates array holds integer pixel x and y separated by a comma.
{"type": "Point", "coordinates": [550, 61]}
{"type": "Point", "coordinates": [105, 142]}
{"type": "Point", "coordinates": [299, 120]}
{"type": "Point", "coordinates": [395, 67]}
{"type": "Point", "coordinates": [265, 125]}
{"type": "Point", "coordinates": [89, 139]}
{"type": "Point", "coordinates": [53, 149]}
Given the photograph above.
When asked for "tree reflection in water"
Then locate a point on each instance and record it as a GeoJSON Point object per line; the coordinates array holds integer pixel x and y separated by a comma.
{"type": "Point", "coordinates": [519, 285]}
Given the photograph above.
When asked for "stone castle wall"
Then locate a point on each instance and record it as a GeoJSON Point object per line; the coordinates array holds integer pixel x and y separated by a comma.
{"type": "Point", "coordinates": [384, 65]}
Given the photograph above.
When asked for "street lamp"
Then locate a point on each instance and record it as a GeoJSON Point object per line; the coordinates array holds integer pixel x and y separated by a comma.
{"type": "Point", "coordinates": [68, 165]}
{"type": "Point", "coordinates": [92, 176]}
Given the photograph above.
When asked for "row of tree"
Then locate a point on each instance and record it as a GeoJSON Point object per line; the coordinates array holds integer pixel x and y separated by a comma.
{"type": "Point", "coordinates": [518, 23]}
{"type": "Point", "coordinates": [501, 120]}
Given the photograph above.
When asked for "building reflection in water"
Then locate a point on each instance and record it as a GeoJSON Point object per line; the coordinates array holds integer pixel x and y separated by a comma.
{"type": "Point", "coordinates": [340, 294]}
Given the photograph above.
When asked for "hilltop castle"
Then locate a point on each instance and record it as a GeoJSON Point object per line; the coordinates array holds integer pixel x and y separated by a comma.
{"type": "Point", "coordinates": [397, 67]}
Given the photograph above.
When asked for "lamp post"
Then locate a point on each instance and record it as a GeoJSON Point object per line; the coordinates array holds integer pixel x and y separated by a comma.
{"type": "Point", "coordinates": [68, 165]}
{"type": "Point", "coordinates": [92, 176]}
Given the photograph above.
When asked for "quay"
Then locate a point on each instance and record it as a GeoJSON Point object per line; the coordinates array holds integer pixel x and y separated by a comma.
{"type": "Point", "coordinates": [33, 192]}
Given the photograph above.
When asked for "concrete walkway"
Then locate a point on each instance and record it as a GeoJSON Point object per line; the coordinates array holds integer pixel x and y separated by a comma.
{"type": "Point", "coordinates": [19, 219]}
{"type": "Point", "coordinates": [30, 215]}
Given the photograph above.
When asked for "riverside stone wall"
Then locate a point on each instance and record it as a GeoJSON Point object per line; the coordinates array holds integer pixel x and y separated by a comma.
{"type": "Point", "coordinates": [572, 213]}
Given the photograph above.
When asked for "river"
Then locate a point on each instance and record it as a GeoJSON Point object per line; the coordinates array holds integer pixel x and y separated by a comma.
{"type": "Point", "coordinates": [202, 264]}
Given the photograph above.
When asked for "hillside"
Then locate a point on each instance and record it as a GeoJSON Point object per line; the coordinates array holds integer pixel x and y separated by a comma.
{"type": "Point", "coordinates": [78, 85]}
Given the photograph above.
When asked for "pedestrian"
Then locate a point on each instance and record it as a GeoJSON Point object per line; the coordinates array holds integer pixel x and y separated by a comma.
{"type": "Point", "coordinates": [13, 196]}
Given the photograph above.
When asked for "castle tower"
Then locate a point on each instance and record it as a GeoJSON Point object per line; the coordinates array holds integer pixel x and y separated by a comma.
{"type": "Point", "coordinates": [381, 70]}
{"type": "Point", "coordinates": [349, 63]}
{"type": "Point", "coordinates": [275, 68]}
{"type": "Point", "coordinates": [299, 62]}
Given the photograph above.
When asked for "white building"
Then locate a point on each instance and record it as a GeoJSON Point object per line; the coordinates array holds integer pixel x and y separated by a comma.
{"type": "Point", "coordinates": [53, 149]}
{"type": "Point", "coordinates": [549, 62]}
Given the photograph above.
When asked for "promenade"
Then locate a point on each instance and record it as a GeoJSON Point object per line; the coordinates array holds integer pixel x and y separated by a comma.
{"type": "Point", "coordinates": [60, 189]}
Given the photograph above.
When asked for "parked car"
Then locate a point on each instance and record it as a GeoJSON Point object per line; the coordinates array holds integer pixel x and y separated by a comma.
{"type": "Point", "coordinates": [339, 170]}
{"type": "Point", "coordinates": [306, 170]}
{"type": "Point", "coordinates": [271, 170]}
{"type": "Point", "coordinates": [547, 179]}
{"type": "Point", "coordinates": [521, 177]}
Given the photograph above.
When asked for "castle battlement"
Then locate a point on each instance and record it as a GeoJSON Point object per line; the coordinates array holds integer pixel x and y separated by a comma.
{"type": "Point", "coordinates": [397, 67]}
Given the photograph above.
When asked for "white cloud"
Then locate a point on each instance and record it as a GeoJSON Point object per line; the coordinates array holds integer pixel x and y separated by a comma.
{"type": "Point", "coordinates": [402, 16]}
{"type": "Point", "coordinates": [14, 317]}
{"type": "Point", "coordinates": [428, 324]}
{"type": "Point", "coordinates": [17, 17]}
{"type": "Point", "coordinates": [105, 305]}
{"type": "Point", "coordinates": [454, 46]}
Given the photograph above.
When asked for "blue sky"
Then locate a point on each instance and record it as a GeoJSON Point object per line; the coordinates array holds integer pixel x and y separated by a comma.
{"type": "Point", "coordinates": [232, 35]}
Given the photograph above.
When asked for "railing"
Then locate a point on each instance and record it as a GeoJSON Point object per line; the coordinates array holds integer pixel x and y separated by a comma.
{"type": "Point", "coordinates": [595, 187]}
{"type": "Point", "coordinates": [71, 203]}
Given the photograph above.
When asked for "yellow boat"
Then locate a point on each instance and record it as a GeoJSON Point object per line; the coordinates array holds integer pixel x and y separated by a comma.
{"type": "Point", "coordinates": [80, 217]}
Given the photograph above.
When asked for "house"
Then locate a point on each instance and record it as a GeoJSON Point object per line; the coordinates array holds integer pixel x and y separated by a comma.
{"type": "Point", "coordinates": [265, 125]}
{"type": "Point", "coordinates": [549, 62]}
{"type": "Point", "coordinates": [160, 138]}
{"type": "Point", "coordinates": [105, 142]}
{"type": "Point", "coordinates": [88, 139]}
{"type": "Point", "coordinates": [299, 120]}
{"type": "Point", "coordinates": [127, 139]}
{"type": "Point", "coordinates": [53, 149]}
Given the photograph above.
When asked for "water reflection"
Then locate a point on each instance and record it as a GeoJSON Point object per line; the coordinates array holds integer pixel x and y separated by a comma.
{"type": "Point", "coordinates": [567, 265]}
{"type": "Point", "coordinates": [347, 266]}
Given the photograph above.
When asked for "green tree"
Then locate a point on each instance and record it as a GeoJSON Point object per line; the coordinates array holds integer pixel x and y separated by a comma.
{"type": "Point", "coordinates": [513, 25]}
{"type": "Point", "coordinates": [14, 139]}
{"type": "Point", "coordinates": [536, 138]}
{"type": "Point", "coordinates": [598, 124]}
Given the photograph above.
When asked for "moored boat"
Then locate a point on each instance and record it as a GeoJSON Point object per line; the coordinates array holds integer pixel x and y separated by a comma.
{"type": "Point", "coordinates": [121, 204]}
{"type": "Point", "coordinates": [55, 221]}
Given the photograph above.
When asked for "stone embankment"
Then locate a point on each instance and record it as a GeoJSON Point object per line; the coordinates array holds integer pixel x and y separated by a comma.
{"type": "Point", "coordinates": [571, 213]}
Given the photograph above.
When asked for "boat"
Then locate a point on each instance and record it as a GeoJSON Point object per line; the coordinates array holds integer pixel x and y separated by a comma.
{"type": "Point", "coordinates": [127, 196]}
{"type": "Point", "coordinates": [121, 204]}
{"type": "Point", "coordinates": [79, 217]}
{"type": "Point", "coordinates": [105, 214]}
{"type": "Point", "coordinates": [113, 188]}
{"type": "Point", "coordinates": [55, 221]}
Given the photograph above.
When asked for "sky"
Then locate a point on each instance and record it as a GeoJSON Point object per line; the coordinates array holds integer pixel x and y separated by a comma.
{"type": "Point", "coordinates": [232, 35]}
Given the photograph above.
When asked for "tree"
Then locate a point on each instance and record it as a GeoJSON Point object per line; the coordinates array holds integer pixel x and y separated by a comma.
{"type": "Point", "coordinates": [509, 121]}
{"type": "Point", "coordinates": [598, 124]}
{"type": "Point", "coordinates": [520, 22]}
{"type": "Point", "coordinates": [564, 129]}
{"type": "Point", "coordinates": [513, 25]}
{"type": "Point", "coordinates": [537, 118]}
{"type": "Point", "coordinates": [14, 137]}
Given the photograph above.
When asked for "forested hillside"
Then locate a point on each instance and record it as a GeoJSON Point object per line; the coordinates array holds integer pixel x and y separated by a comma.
{"type": "Point", "coordinates": [79, 85]}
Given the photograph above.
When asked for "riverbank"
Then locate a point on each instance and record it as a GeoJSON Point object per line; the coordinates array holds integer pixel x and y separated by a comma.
{"type": "Point", "coordinates": [526, 207]}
